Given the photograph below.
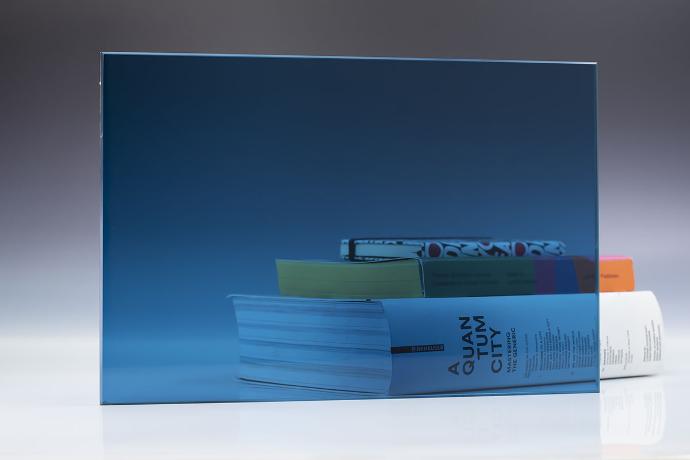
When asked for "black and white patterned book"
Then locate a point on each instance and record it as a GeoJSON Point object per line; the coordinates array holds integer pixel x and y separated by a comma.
{"type": "Point", "coordinates": [368, 249]}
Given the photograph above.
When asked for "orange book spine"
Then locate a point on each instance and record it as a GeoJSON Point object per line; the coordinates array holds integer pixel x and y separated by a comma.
{"type": "Point", "coordinates": [616, 274]}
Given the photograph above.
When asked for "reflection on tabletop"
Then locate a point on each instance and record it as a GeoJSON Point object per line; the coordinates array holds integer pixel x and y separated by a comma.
{"type": "Point", "coordinates": [49, 391]}
{"type": "Point", "coordinates": [627, 415]}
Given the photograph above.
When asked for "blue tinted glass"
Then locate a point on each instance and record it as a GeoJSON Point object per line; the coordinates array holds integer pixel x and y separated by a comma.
{"type": "Point", "coordinates": [279, 228]}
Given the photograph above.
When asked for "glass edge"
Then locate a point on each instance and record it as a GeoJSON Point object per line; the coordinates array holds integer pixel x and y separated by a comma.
{"type": "Point", "coordinates": [596, 224]}
{"type": "Point", "coordinates": [101, 396]}
{"type": "Point", "coordinates": [102, 58]}
{"type": "Point", "coordinates": [364, 58]}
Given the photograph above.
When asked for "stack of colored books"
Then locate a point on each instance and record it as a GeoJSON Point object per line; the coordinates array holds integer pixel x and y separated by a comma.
{"type": "Point", "coordinates": [403, 316]}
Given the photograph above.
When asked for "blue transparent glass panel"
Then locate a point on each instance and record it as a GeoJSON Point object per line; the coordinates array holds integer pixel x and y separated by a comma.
{"type": "Point", "coordinates": [216, 166]}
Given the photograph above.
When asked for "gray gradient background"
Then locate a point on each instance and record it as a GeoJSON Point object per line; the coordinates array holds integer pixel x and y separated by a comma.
{"type": "Point", "coordinates": [49, 146]}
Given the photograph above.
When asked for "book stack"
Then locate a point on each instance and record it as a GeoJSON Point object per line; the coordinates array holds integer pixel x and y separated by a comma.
{"type": "Point", "coordinates": [412, 316]}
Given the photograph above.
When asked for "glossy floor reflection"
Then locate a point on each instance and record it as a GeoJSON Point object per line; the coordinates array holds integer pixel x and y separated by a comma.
{"type": "Point", "coordinates": [48, 409]}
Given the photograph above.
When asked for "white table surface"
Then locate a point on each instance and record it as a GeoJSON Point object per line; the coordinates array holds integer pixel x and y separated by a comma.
{"type": "Point", "coordinates": [49, 409]}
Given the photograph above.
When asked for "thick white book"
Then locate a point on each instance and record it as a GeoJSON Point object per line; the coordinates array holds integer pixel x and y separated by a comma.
{"type": "Point", "coordinates": [445, 345]}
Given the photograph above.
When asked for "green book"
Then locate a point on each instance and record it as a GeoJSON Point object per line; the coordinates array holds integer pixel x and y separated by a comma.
{"type": "Point", "coordinates": [461, 277]}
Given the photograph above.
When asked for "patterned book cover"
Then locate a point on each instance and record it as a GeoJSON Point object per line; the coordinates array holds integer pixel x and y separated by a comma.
{"type": "Point", "coordinates": [369, 249]}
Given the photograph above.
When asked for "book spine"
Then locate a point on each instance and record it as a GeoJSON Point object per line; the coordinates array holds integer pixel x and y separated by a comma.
{"type": "Point", "coordinates": [506, 276]}
{"type": "Point", "coordinates": [524, 275]}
